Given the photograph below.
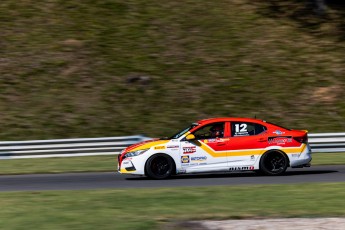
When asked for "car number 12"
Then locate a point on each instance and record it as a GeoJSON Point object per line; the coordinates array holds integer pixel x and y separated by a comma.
{"type": "Point", "coordinates": [240, 128]}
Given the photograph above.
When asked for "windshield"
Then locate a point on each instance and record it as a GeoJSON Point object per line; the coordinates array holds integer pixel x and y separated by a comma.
{"type": "Point", "coordinates": [183, 131]}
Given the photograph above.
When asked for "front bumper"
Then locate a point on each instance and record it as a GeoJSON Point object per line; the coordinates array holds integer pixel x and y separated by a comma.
{"type": "Point", "coordinates": [126, 167]}
{"type": "Point", "coordinates": [132, 165]}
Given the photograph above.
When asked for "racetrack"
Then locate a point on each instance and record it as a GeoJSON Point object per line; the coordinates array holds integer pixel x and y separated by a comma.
{"type": "Point", "coordinates": [75, 181]}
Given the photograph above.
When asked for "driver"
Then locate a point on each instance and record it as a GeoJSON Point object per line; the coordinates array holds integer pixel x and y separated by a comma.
{"type": "Point", "coordinates": [217, 131]}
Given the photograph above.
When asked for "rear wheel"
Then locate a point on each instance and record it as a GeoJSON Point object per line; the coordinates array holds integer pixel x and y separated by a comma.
{"type": "Point", "coordinates": [274, 163]}
{"type": "Point", "coordinates": [159, 166]}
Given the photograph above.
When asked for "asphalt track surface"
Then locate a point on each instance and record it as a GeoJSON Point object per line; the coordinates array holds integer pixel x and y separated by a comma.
{"type": "Point", "coordinates": [82, 181]}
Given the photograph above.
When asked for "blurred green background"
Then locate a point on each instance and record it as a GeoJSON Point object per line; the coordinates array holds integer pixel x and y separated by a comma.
{"type": "Point", "coordinates": [87, 68]}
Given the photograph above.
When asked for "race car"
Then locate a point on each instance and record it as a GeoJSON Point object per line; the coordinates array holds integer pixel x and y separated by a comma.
{"type": "Point", "coordinates": [219, 145]}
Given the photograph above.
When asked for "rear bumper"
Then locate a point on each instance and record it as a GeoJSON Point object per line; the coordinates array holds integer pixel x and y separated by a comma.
{"type": "Point", "coordinates": [303, 159]}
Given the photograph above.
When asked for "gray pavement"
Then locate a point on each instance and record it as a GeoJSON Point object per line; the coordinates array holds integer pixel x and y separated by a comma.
{"type": "Point", "coordinates": [274, 224]}
{"type": "Point", "coordinates": [76, 181]}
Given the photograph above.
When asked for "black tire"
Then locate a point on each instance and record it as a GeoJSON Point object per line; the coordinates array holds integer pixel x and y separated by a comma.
{"type": "Point", "coordinates": [159, 166]}
{"type": "Point", "coordinates": [274, 163]}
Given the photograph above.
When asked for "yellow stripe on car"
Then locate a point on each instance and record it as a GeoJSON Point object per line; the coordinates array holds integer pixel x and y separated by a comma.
{"type": "Point", "coordinates": [123, 170]}
{"type": "Point", "coordinates": [150, 144]}
{"type": "Point", "coordinates": [288, 150]}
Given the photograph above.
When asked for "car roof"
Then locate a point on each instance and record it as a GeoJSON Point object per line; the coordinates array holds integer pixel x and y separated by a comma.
{"type": "Point", "coordinates": [222, 119]}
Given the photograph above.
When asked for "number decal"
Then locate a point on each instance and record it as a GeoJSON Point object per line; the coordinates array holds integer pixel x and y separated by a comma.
{"type": "Point", "coordinates": [237, 128]}
{"type": "Point", "coordinates": [242, 126]}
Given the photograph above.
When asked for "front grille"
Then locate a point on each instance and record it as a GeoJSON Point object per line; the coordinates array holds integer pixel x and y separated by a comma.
{"type": "Point", "coordinates": [131, 168]}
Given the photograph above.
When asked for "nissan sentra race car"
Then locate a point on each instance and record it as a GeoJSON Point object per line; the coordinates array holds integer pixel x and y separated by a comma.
{"type": "Point", "coordinates": [219, 145]}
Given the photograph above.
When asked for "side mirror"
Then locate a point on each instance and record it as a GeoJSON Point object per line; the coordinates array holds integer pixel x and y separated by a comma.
{"type": "Point", "coordinates": [190, 137]}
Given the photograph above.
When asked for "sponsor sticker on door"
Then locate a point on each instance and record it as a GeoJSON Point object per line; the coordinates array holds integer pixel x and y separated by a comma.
{"type": "Point", "coordinates": [189, 150]}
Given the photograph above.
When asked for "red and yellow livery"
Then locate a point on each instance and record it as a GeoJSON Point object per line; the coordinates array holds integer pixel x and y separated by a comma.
{"type": "Point", "coordinates": [219, 144]}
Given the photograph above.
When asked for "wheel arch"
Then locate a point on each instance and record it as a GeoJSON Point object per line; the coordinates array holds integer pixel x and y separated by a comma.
{"type": "Point", "coordinates": [161, 154]}
{"type": "Point", "coordinates": [274, 162]}
{"type": "Point", "coordinates": [276, 150]}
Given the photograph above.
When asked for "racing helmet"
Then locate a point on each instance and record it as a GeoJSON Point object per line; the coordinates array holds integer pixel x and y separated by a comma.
{"type": "Point", "coordinates": [217, 130]}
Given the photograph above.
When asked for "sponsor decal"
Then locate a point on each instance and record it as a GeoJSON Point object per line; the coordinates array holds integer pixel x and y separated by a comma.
{"type": "Point", "coordinates": [210, 140]}
{"type": "Point", "coordinates": [126, 163]}
{"type": "Point", "coordinates": [181, 171]}
{"type": "Point", "coordinates": [241, 134]}
{"type": "Point", "coordinates": [278, 132]}
{"type": "Point", "coordinates": [189, 150]}
{"type": "Point", "coordinates": [295, 155]}
{"type": "Point", "coordinates": [172, 146]}
{"type": "Point", "coordinates": [184, 159]}
{"type": "Point", "coordinates": [160, 147]}
{"type": "Point", "coordinates": [202, 158]}
{"type": "Point", "coordinates": [242, 168]}
{"type": "Point", "coordinates": [252, 158]}
{"type": "Point", "coordinates": [215, 140]}
{"type": "Point", "coordinates": [279, 140]}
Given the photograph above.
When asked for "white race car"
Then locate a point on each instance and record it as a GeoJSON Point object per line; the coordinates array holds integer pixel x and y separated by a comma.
{"type": "Point", "coordinates": [216, 145]}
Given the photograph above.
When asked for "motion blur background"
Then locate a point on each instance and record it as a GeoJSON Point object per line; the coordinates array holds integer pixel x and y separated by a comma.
{"type": "Point", "coordinates": [87, 68]}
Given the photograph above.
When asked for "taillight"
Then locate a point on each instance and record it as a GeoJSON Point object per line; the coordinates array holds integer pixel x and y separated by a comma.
{"type": "Point", "coordinates": [303, 139]}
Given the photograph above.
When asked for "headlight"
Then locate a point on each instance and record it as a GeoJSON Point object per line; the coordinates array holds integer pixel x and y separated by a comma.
{"type": "Point", "coordinates": [135, 153]}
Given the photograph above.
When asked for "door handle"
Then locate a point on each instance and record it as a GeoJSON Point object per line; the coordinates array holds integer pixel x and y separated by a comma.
{"type": "Point", "coordinates": [220, 143]}
{"type": "Point", "coordinates": [261, 139]}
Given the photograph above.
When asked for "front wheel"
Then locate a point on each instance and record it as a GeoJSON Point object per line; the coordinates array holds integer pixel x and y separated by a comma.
{"type": "Point", "coordinates": [159, 166]}
{"type": "Point", "coordinates": [274, 163]}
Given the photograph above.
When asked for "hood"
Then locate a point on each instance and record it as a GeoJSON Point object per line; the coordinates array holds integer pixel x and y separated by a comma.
{"type": "Point", "coordinates": [141, 145]}
{"type": "Point", "coordinates": [145, 144]}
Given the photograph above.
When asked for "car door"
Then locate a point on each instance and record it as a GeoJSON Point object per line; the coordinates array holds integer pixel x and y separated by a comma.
{"type": "Point", "coordinates": [206, 152]}
{"type": "Point", "coordinates": [246, 144]}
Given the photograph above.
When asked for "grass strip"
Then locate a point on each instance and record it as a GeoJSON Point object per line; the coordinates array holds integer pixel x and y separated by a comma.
{"type": "Point", "coordinates": [108, 163]}
{"type": "Point", "coordinates": [328, 159]}
{"type": "Point", "coordinates": [154, 209]}
{"type": "Point", "coordinates": [59, 165]}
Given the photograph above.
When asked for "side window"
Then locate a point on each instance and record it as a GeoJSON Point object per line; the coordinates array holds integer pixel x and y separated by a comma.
{"type": "Point", "coordinates": [215, 130]}
{"type": "Point", "coordinates": [246, 129]}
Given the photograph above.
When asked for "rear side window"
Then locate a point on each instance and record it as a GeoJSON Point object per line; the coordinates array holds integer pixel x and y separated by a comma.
{"type": "Point", "coordinates": [246, 129]}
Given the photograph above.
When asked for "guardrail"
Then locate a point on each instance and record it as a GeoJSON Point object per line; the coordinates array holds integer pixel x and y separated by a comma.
{"type": "Point", "coordinates": [67, 147]}
{"type": "Point", "coordinates": [327, 142]}
{"type": "Point", "coordinates": [319, 142]}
